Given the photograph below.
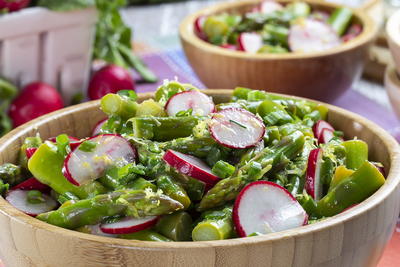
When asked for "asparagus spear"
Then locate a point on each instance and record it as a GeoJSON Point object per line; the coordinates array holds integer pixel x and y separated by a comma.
{"type": "Point", "coordinates": [198, 147]}
{"type": "Point", "coordinates": [146, 235]}
{"type": "Point", "coordinates": [227, 189]}
{"type": "Point", "coordinates": [117, 105]}
{"type": "Point", "coordinates": [11, 174]}
{"type": "Point", "coordinates": [176, 226]}
{"type": "Point", "coordinates": [216, 225]}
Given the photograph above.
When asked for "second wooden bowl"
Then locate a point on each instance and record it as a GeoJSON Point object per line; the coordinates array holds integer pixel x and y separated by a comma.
{"type": "Point", "coordinates": [354, 238]}
{"type": "Point", "coordinates": [324, 75]}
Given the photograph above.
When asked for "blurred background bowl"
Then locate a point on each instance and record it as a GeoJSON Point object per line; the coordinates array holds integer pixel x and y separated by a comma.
{"type": "Point", "coordinates": [323, 75]}
{"type": "Point", "coordinates": [393, 36]}
{"type": "Point", "coordinates": [392, 84]}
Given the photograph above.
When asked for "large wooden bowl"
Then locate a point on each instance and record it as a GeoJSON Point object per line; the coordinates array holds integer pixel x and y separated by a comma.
{"type": "Point", "coordinates": [323, 75]}
{"type": "Point", "coordinates": [354, 238]}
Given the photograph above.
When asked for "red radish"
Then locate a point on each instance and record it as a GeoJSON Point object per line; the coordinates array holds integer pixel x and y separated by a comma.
{"type": "Point", "coordinates": [268, 7]}
{"type": "Point", "coordinates": [73, 142]}
{"type": "Point", "coordinates": [30, 151]}
{"type": "Point", "coordinates": [13, 5]}
{"type": "Point", "coordinates": [230, 47]}
{"type": "Point", "coordinates": [129, 225]}
{"type": "Point", "coordinates": [236, 128]}
{"type": "Point", "coordinates": [97, 128]}
{"type": "Point", "coordinates": [95, 230]}
{"type": "Point", "coordinates": [19, 199]}
{"type": "Point", "coordinates": [190, 166]}
{"type": "Point", "coordinates": [32, 184]}
{"type": "Point", "coordinates": [326, 136]}
{"type": "Point", "coordinates": [352, 33]}
{"type": "Point", "coordinates": [82, 167]}
{"type": "Point", "coordinates": [250, 42]}
{"type": "Point", "coordinates": [200, 103]}
{"type": "Point", "coordinates": [319, 126]}
{"type": "Point", "coordinates": [35, 100]}
{"type": "Point", "coordinates": [198, 26]}
{"type": "Point", "coordinates": [352, 206]}
{"type": "Point", "coordinates": [314, 186]}
{"type": "Point", "coordinates": [110, 79]}
{"type": "Point", "coordinates": [266, 207]}
{"type": "Point", "coordinates": [310, 35]}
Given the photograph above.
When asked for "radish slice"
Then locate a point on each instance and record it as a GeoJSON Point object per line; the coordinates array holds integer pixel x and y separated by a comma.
{"type": "Point", "coordinates": [97, 128]}
{"type": "Point", "coordinates": [198, 26]}
{"type": "Point", "coordinates": [313, 178]}
{"type": "Point", "coordinates": [30, 151]}
{"type": "Point", "coordinates": [268, 7]}
{"type": "Point", "coordinates": [19, 199]}
{"type": "Point", "coordinates": [319, 126]}
{"type": "Point", "coordinates": [190, 166]}
{"type": "Point", "coordinates": [32, 184]}
{"type": "Point", "coordinates": [352, 33]}
{"type": "Point", "coordinates": [250, 42]}
{"type": "Point", "coordinates": [81, 167]}
{"type": "Point", "coordinates": [95, 230]}
{"type": "Point", "coordinates": [200, 103]}
{"type": "Point", "coordinates": [326, 136]}
{"type": "Point", "coordinates": [266, 207]}
{"type": "Point", "coordinates": [129, 225]}
{"type": "Point", "coordinates": [310, 35]}
{"type": "Point", "coordinates": [229, 47]}
{"type": "Point", "coordinates": [236, 128]}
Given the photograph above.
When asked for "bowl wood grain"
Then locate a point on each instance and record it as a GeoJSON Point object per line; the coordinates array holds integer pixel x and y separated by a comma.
{"type": "Point", "coordinates": [323, 75]}
{"type": "Point", "coordinates": [354, 238]}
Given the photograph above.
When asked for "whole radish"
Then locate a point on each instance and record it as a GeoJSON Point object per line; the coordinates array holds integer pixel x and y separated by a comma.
{"type": "Point", "coordinates": [13, 5]}
{"type": "Point", "coordinates": [110, 79]}
{"type": "Point", "coordinates": [35, 100]}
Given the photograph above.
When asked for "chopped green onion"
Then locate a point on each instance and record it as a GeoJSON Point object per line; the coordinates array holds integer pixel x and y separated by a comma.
{"type": "Point", "coordinates": [87, 146]}
{"type": "Point", "coordinates": [238, 123]}
{"type": "Point", "coordinates": [35, 197]}
{"type": "Point", "coordinates": [223, 169]}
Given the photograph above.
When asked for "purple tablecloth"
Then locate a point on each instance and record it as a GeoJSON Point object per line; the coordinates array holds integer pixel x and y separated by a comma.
{"type": "Point", "coordinates": [173, 64]}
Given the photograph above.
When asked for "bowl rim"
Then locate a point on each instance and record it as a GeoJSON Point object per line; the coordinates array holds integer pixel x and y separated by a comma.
{"type": "Point", "coordinates": [391, 184]}
{"type": "Point", "coordinates": [187, 34]}
{"type": "Point", "coordinates": [393, 27]}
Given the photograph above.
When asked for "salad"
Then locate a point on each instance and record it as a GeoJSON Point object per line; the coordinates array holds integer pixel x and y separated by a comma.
{"type": "Point", "coordinates": [182, 167]}
{"type": "Point", "coordinates": [271, 27]}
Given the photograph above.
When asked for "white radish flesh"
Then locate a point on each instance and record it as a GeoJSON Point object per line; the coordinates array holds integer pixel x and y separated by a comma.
{"type": "Point", "coordinates": [314, 186]}
{"type": "Point", "coordinates": [268, 7]}
{"type": "Point", "coordinates": [319, 126]}
{"type": "Point", "coordinates": [326, 136]}
{"type": "Point", "coordinates": [129, 225]}
{"type": "Point", "coordinates": [198, 26]}
{"type": "Point", "coordinates": [266, 207]}
{"type": "Point", "coordinates": [236, 128]}
{"type": "Point", "coordinates": [250, 42]}
{"type": "Point", "coordinates": [97, 128]}
{"type": "Point", "coordinates": [310, 35]}
{"type": "Point", "coordinates": [199, 103]}
{"type": "Point", "coordinates": [19, 199]}
{"type": "Point", "coordinates": [82, 167]}
{"type": "Point", "coordinates": [190, 166]}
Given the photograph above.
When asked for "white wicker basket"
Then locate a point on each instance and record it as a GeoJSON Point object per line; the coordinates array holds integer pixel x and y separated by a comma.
{"type": "Point", "coordinates": [54, 47]}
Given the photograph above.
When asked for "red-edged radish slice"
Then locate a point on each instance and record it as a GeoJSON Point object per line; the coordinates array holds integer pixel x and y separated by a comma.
{"type": "Point", "coordinates": [229, 46]}
{"type": "Point", "coordinates": [268, 7]}
{"type": "Point", "coordinates": [250, 42]}
{"type": "Point", "coordinates": [30, 151]}
{"type": "Point", "coordinates": [236, 128]}
{"type": "Point", "coordinates": [81, 167]}
{"type": "Point", "coordinates": [352, 33]}
{"type": "Point", "coordinates": [314, 186]}
{"type": "Point", "coordinates": [95, 230]}
{"type": "Point", "coordinates": [129, 225]}
{"type": "Point", "coordinates": [19, 199]}
{"type": "Point", "coordinates": [32, 184]}
{"type": "Point", "coordinates": [190, 166]}
{"type": "Point", "coordinates": [310, 35]}
{"type": "Point", "coordinates": [266, 207]}
{"type": "Point", "coordinates": [319, 126]}
{"type": "Point", "coordinates": [326, 136]}
{"type": "Point", "coordinates": [97, 128]}
{"type": "Point", "coordinates": [198, 26]}
{"type": "Point", "coordinates": [200, 103]}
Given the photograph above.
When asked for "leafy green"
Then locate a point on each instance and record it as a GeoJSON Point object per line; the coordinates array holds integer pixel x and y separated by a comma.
{"type": "Point", "coordinates": [66, 5]}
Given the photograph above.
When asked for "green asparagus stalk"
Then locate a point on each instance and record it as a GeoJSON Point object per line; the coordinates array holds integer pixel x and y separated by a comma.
{"type": "Point", "coordinates": [194, 188]}
{"type": "Point", "coordinates": [173, 189]}
{"type": "Point", "coordinates": [146, 235]}
{"type": "Point", "coordinates": [141, 184]}
{"type": "Point", "coordinates": [198, 147]}
{"type": "Point", "coordinates": [216, 225]}
{"type": "Point", "coordinates": [3, 187]}
{"type": "Point", "coordinates": [117, 105]}
{"type": "Point", "coordinates": [176, 226]}
{"type": "Point", "coordinates": [340, 19]}
{"type": "Point", "coordinates": [11, 174]}
{"type": "Point", "coordinates": [227, 189]}
{"type": "Point", "coordinates": [223, 169]}
{"type": "Point", "coordinates": [163, 128]}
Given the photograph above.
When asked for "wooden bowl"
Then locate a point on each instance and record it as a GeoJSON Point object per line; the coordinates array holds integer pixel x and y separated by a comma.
{"type": "Point", "coordinates": [323, 75]}
{"type": "Point", "coordinates": [393, 36]}
{"type": "Point", "coordinates": [356, 237]}
{"type": "Point", "coordinates": [392, 85]}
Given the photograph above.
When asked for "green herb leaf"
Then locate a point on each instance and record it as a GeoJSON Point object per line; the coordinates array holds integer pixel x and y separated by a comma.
{"type": "Point", "coordinates": [62, 142]}
{"type": "Point", "coordinates": [128, 93]}
{"type": "Point", "coordinates": [87, 146]}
